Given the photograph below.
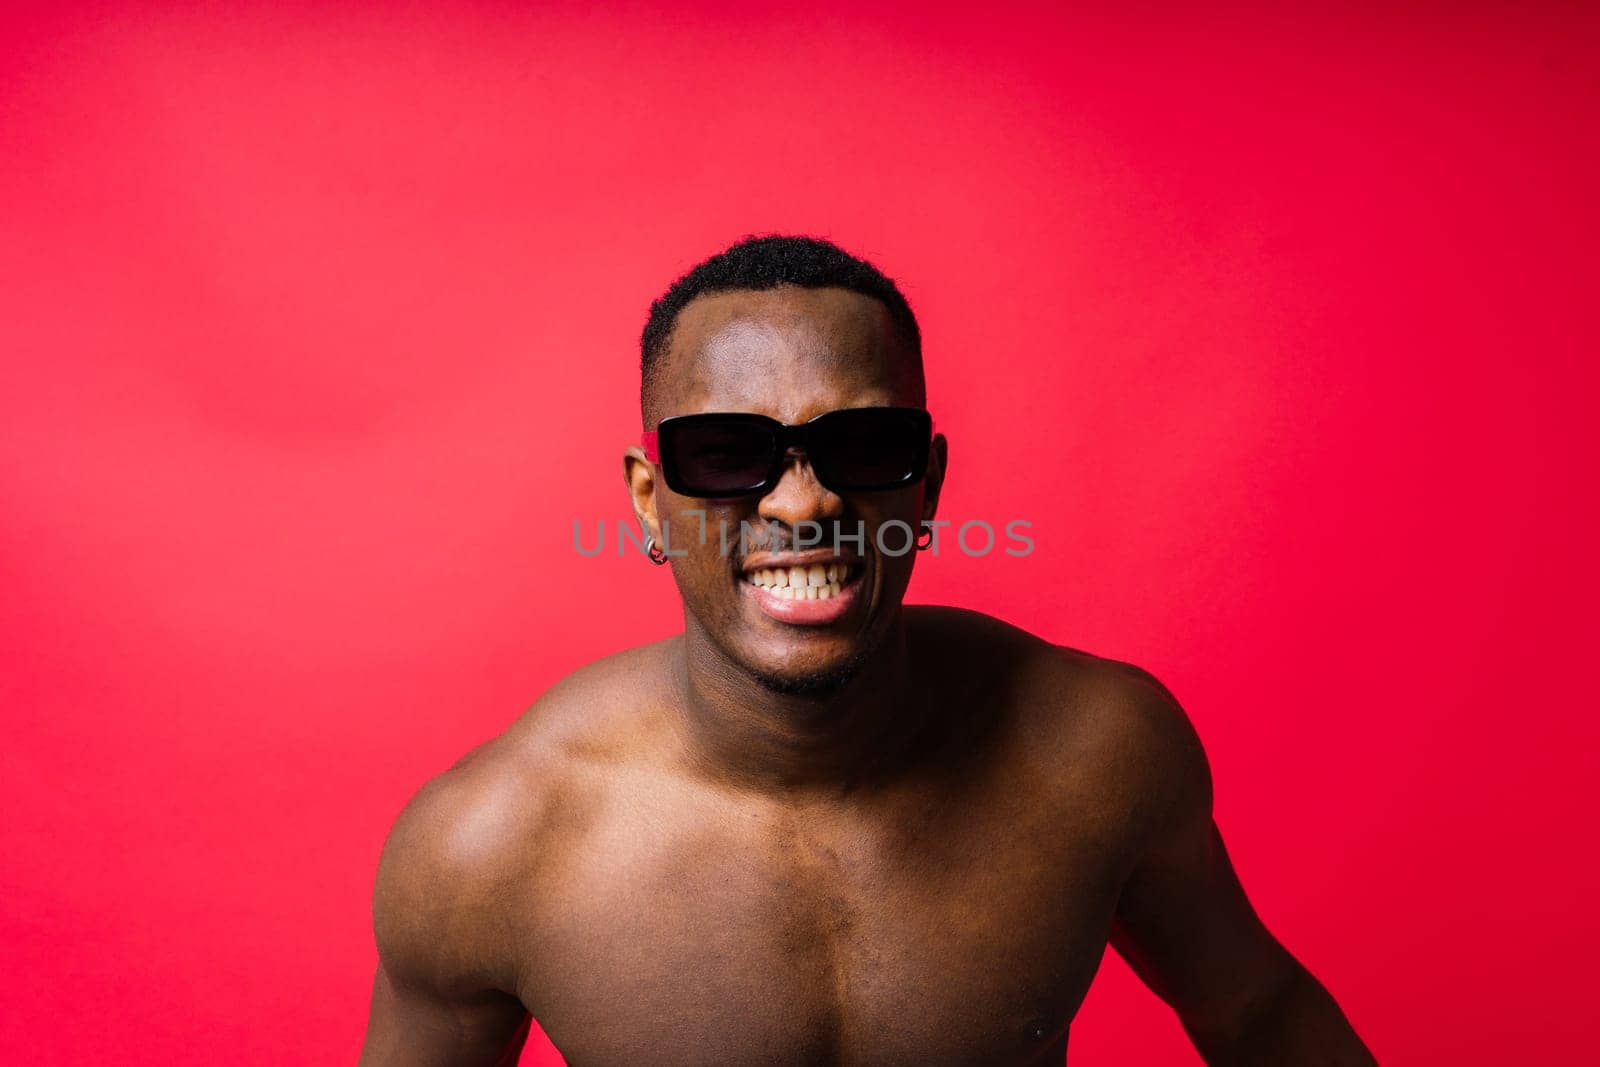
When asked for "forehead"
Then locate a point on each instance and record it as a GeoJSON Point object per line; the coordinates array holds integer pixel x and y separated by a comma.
{"type": "Point", "coordinates": [791, 353]}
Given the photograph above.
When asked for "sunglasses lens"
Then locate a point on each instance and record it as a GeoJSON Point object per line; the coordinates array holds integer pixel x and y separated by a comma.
{"type": "Point", "coordinates": [717, 455]}
{"type": "Point", "coordinates": [871, 448]}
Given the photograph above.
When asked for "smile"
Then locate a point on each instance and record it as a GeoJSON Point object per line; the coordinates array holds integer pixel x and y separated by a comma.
{"type": "Point", "coordinates": [817, 581]}
{"type": "Point", "coordinates": [807, 592]}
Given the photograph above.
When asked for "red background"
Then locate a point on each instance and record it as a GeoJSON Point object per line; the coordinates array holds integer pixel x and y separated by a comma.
{"type": "Point", "coordinates": [320, 327]}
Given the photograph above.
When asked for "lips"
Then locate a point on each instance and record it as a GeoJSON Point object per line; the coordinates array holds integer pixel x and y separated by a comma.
{"type": "Point", "coordinates": [805, 592]}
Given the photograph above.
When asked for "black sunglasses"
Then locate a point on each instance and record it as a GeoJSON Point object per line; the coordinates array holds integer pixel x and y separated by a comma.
{"type": "Point", "coordinates": [731, 454]}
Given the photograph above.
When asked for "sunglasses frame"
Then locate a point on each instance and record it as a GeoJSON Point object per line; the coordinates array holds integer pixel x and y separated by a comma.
{"type": "Point", "coordinates": [787, 438]}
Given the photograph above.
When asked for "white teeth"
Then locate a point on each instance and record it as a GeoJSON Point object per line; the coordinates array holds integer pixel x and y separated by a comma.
{"type": "Point", "coordinates": [816, 582]}
{"type": "Point", "coordinates": [804, 592]}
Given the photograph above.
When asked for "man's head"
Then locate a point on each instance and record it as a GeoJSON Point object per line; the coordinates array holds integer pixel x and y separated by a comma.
{"type": "Point", "coordinates": [789, 328]}
{"type": "Point", "coordinates": [764, 263]}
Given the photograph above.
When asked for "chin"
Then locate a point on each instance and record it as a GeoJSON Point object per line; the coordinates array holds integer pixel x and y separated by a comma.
{"type": "Point", "coordinates": [813, 683]}
{"type": "Point", "coordinates": [809, 678]}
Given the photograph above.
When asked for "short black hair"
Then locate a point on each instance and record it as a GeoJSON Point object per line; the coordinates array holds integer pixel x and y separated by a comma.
{"type": "Point", "coordinates": [766, 262]}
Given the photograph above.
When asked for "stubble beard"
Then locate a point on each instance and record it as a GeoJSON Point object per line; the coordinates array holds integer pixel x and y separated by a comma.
{"type": "Point", "coordinates": [825, 682]}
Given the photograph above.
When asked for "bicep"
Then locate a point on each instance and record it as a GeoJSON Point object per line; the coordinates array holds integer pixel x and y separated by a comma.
{"type": "Point", "coordinates": [1187, 929]}
{"type": "Point", "coordinates": [1183, 921]}
{"type": "Point", "coordinates": [413, 1027]}
{"type": "Point", "coordinates": [440, 992]}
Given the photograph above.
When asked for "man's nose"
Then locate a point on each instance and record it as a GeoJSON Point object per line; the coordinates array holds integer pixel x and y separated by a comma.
{"type": "Point", "coordinates": [799, 496]}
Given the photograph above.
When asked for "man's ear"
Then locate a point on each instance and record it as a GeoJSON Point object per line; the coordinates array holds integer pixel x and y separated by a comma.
{"type": "Point", "coordinates": [640, 474]}
{"type": "Point", "coordinates": [933, 484]}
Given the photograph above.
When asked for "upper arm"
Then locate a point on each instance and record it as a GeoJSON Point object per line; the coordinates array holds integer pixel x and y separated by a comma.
{"type": "Point", "coordinates": [440, 993]}
{"type": "Point", "coordinates": [411, 1025]}
{"type": "Point", "coordinates": [1183, 921]}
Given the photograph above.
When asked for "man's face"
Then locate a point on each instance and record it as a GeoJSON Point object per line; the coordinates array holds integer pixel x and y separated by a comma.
{"type": "Point", "coordinates": [790, 354]}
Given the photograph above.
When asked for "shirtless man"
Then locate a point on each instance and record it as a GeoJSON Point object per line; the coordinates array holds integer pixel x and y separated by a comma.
{"type": "Point", "coordinates": [818, 827]}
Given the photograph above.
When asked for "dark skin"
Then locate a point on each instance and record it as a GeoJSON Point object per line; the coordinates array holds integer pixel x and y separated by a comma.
{"type": "Point", "coordinates": [674, 857]}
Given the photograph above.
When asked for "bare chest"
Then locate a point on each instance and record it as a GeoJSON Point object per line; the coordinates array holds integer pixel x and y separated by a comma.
{"type": "Point", "coordinates": [946, 933]}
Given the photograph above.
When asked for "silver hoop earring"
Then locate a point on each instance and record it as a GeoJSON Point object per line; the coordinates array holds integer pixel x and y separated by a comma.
{"type": "Point", "coordinates": [657, 555]}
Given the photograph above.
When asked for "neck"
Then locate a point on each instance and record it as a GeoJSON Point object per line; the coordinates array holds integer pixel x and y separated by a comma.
{"type": "Point", "coordinates": [743, 733]}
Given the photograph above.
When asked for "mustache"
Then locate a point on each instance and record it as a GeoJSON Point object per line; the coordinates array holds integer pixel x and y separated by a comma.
{"type": "Point", "coordinates": [777, 537]}
{"type": "Point", "coordinates": [771, 536]}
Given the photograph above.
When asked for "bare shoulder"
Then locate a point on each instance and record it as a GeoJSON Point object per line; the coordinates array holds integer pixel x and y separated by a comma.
{"type": "Point", "coordinates": [477, 835]}
{"type": "Point", "coordinates": [1113, 724]}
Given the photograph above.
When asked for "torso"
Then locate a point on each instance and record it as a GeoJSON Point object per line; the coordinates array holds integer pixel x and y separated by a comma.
{"type": "Point", "coordinates": [956, 915]}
